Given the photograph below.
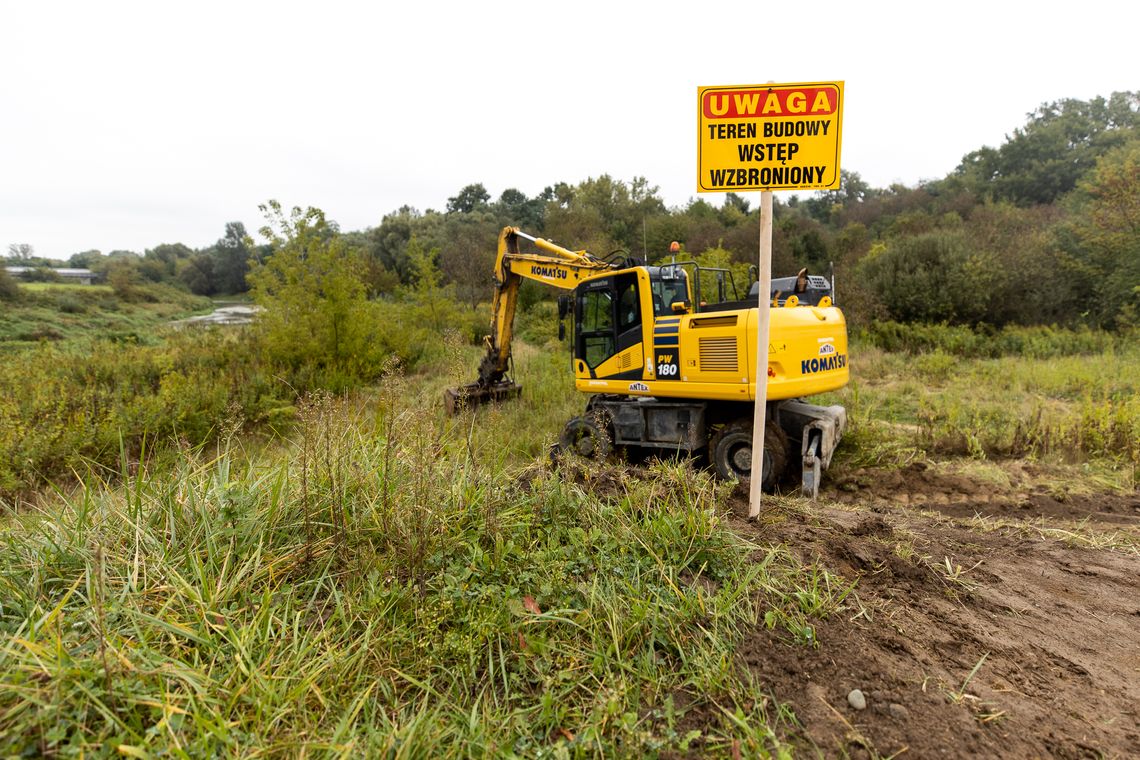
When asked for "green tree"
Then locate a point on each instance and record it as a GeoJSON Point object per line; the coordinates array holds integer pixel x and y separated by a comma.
{"type": "Point", "coordinates": [388, 242]}
{"type": "Point", "coordinates": [933, 277]}
{"type": "Point", "coordinates": [1061, 142]}
{"type": "Point", "coordinates": [514, 208]}
{"type": "Point", "coordinates": [471, 198]}
{"type": "Point", "coordinates": [197, 274]}
{"type": "Point", "coordinates": [736, 283]}
{"type": "Point", "coordinates": [798, 241]}
{"type": "Point", "coordinates": [604, 214]}
{"type": "Point", "coordinates": [1107, 233]}
{"type": "Point", "coordinates": [736, 202]}
{"type": "Point", "coordinates": [852, 191]}
{"type": "Point", "coordinates": [378, 280]}
{"type": "Point", "coordinates": [231, 255]}
{"type": "Point", "coordinates": [1036, 282]}
{"type": "Point", "coordinates": [123, 276]}
{"type": "Point", "coordinates": [467, 256]}
{"type": "Point", "coordinates": [312, 291]}
{"type": "Point", "coordinates": [160, 264]}
{"type": "Point", "coordinates": [701, 227]}
{"type": "Point", "coordinates": [433, 304]}
{"type": "Point", "coordinates": [86, 259]}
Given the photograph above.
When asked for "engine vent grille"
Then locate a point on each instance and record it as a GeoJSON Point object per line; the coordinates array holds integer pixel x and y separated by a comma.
{"type": "Point", "coordinates": [718, 354]}
{"type": "Point", "coordinates": [626, 360]}
{"type": "Point", "coordinates": [729, 321]}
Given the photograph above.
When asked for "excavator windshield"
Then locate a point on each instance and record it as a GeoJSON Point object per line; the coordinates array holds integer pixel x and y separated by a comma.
{"type": "Point", "coordinates": [669, 285]}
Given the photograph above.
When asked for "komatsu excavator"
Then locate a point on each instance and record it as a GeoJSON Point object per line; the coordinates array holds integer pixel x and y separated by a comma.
{"type": "Point", "coordinates": [670, 369]}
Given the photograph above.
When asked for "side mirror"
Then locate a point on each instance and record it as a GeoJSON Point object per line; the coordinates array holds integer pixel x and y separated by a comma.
{"type": "Point", "coordinates": [563, 307]}
{"type": "Point", "coordinates": [562, 331]}
{"type": "Point", "coordinates": [679, 307]}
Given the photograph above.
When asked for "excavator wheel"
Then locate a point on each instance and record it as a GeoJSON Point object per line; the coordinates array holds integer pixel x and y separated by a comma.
{"type": "Point", "coordinates": [731, 452]}
{"type": "Point", "coordinates": [587, 436]}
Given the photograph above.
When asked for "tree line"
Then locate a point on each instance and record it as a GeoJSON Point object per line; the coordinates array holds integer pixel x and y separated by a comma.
{"type": "Point", "coordinates": [1043, 229]}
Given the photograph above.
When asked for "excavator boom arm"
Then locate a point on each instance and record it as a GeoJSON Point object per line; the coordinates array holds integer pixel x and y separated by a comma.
{"type": "Point", "coordinates": [555, 266]}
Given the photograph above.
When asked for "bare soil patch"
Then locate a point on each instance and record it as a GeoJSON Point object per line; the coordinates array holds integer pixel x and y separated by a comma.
{"type": "Point", "coordinates": [1049, 629]}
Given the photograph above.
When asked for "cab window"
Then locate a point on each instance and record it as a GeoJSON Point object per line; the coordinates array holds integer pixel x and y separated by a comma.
{"type": "Point", "coordinates": [667, 291]}
{"type": "Point", "coordinates": [595, 331]}
{"type": "Point", "coordinates": [629, 306]}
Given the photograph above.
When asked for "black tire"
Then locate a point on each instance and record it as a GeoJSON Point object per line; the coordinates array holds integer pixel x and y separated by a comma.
{"type": "Point", "coordinates": [587, 436]}
{"type": "Point", "coordinates": [731, 452]}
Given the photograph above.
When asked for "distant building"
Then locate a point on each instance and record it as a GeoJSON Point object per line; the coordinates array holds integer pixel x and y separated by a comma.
{"type": "Point", "coordinates": [80, 276]}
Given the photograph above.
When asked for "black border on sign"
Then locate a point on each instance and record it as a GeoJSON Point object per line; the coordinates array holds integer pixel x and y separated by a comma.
{"type": "Point", "coordinates": [750, 188]}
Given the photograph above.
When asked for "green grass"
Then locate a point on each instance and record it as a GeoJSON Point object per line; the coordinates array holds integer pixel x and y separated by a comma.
{"type": "Point", "coordinates": [1037, 342]}
{"type": "Point", "coordinates": [69, 408]}
{"type": "Point", "coordinates": [385, 581]}
{"type": "Point", "coordinates": [63, 287]}
{"type": "Point", "coordinates": [388, 585]}
{"type": "Point", "coordinates": [55, 312]}
{"type": "Point", "coordinates": [1075, 408]}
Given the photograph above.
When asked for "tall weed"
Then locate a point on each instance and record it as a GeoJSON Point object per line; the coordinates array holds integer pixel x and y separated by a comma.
{"type": "Point", "coordinates": [386, 586]}
{"type": "Point", "coordinates": [1039, 342]}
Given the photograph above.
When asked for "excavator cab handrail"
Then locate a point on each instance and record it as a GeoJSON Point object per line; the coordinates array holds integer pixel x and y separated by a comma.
{"type": "Point", "coordinates": [699, 304]}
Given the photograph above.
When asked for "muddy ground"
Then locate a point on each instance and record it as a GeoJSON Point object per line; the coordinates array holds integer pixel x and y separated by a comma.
{"type": "Point", "coordinates": [1032, 590]}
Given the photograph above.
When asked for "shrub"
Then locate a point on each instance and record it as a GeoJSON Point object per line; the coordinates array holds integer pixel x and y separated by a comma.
{"type": "Point", "coordinates": [67, 407]}
{"type": "Point", "coordinates": [312, 291]}
{"type": "Point", "coordinates": [9, 288]}
{"type": "Point", "coordinates": [69, 304]}
{"type": "Point", "coordinates": [1042, 342]}
{"type": "Point", "coordinates": [933, 277]}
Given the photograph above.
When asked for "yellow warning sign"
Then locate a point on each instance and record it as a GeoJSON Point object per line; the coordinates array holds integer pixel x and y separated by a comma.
{"type": "Point", "coordinates": [769, 137]}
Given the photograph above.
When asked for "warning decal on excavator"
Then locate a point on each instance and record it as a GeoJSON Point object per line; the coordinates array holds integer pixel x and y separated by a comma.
{"type": "Point", "coordinates": [769, 137]}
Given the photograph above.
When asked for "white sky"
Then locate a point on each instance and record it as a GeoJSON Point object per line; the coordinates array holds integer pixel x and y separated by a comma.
{"type": "Point", "coordinates": [128, 124]}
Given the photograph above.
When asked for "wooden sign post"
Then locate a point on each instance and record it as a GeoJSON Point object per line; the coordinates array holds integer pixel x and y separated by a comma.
{"type": "Point", "coordinates": [759, 419]}
{"type": "Point", "coordinates": [767, 137]}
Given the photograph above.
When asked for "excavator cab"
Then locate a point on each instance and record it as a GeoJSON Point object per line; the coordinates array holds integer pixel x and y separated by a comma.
{"type": "Point", "coordinates": [608, 332]}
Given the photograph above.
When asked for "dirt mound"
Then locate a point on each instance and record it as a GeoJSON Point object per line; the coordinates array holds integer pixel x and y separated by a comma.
{"type": "Point", "coordinates": [605, 481]}
{"type": "Point", "coordinates": [959, 495]}
{"type": "Point", "coordinates": [964, 642]}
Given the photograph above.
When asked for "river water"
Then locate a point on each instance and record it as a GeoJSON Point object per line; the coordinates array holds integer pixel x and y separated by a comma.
{"type": "Point", "coordinates": [239, 314]}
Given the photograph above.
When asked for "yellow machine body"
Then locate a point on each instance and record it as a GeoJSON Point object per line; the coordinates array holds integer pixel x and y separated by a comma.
{"type": "Point", "coordinates": [669, 372]}
{"type": "Point", "coordinates": [711, 355]}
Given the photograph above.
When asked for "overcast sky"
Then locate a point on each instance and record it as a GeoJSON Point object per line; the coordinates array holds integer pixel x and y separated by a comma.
{"type": "Point", "coordinates": [129, 124]}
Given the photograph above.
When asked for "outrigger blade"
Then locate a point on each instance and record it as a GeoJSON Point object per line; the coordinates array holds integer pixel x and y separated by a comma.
{"type": "Point", "coordinates": [470, 396]}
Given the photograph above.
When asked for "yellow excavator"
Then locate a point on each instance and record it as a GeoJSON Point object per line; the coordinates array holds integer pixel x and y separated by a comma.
{"type": "Point", "coordinates": [668, 359]}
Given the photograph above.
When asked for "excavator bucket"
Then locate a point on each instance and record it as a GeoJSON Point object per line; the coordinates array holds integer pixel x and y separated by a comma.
{"type": "Point", "coordinates": [470, 396]}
